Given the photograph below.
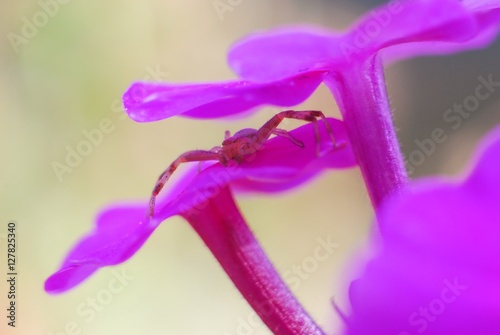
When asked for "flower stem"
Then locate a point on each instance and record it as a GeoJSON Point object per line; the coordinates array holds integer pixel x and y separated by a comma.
{"type": "Point", "coordinates": [363, 101]}
{"type": "Point", "coordinates": [225, 232]}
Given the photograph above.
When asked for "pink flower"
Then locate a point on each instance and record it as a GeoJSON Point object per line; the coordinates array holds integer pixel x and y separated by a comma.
{"type": "Point", "coordinates": [280, 165]}
{"type": "Point", "coordinates": [205, 200]}
{"type": "Point", "coordinates": [436, 268]}
{"type": "Point", "coordinates": [283, 67]}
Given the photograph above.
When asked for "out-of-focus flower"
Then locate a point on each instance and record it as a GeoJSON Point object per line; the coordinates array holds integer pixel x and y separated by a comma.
{"type": "Point", "coordinates": [435, 270]}
{"type": "Point", "coordinates": [205, 200]}
{"type": "Point", "coordinates": [399, 29]}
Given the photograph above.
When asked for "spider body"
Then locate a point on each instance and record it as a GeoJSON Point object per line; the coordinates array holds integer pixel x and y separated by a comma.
{"type": "Point", "coordinates": [243, 143]}
{"type": "Point", "coordinates": [239, 145]}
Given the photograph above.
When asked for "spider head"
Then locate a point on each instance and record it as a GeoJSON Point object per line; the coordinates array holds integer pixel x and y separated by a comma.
{"type": "Point", "coordinates": [236, 147]}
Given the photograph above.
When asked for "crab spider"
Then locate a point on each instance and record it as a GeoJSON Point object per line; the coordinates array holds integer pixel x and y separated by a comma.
{"type": "Point", "coordinates": [242, 144]}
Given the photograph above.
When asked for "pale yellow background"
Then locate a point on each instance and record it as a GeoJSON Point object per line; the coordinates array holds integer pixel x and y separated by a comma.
{"type": "Point", "coordinates": [67, 78]}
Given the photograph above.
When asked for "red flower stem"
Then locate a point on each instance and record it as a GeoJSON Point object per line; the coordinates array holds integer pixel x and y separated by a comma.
{"type": "Point", "coordinates": [363, 101]}
{"type": "Point", "coordinates": [225, 232]}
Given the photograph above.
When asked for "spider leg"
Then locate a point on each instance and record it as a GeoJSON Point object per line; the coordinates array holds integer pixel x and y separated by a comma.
{"type": "Point", "coordinates": [316, 136]}
{"type": "Point", "coordinates": [328, 129]}
{"type": "Point", "coordinates": [214, 149]}
{"type": "Point", "coordinates": [286, 134]}
{"type": "Point", "coordinates": [190, 156]}
{"type": "Point", "coordinates": [309, 115]}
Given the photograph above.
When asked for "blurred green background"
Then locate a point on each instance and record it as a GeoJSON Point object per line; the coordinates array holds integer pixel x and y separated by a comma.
{"type": "Point", "coordinates": [68, 77]}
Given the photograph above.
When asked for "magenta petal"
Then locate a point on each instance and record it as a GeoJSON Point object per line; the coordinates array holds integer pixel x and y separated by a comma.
{"type": "Point", "coordinates": [487, 17]}
{"type": "Point", "coordinates": [436, 269]}
{"type": "Point", "coordinates": [301, 166]}
{"type": "Point", "coordinates": [412, 21]}
{"type": "Point", "coordinates": [119, 233]}
{"type": "Point", "coordinates": [284, 52]}
{"type": "Point", "coordinates": [481, 5]}
{"type": "Point", "coordinates": [272, 186]}
{"type": "Point", "coordinates": [404, 51]}
{"type": "Point", "coordinates": [146, 102]}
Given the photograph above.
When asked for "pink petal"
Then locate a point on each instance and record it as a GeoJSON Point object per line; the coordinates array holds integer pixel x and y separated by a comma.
{"type": "Point", "coordinates": [436, 268]}
{"type": "Point", "coordinates": [284, 52]}
{"type": "Point", "coordinates": [409, 50]}
{"type": "Point", "coordinates": [487, 17]}
{"type": "Point", "coordinates": [414, 21]}
{"type": "Point", "coordinates": [146, 102]}
{"type": "Point", "coordinates": [481, 5]}
{"type": "Point", "coordinates": [120, 232]}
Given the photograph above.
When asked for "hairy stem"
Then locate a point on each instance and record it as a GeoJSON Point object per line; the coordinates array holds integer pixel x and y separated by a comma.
{"type": "Point", "coordinates": [225, 232]}
{"type": "Point", "coordinates": [363, 101]}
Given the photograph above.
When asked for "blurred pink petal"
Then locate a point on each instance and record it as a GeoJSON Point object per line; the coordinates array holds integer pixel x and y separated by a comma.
{"type": "Point", "coordinates": [486, 14]}
{"type": "Point", "coordinates": [436, 267]}
{"type": "Point", "coordinates": [286, 51]}
{"type": "Point", "coordinates": [429, 27]}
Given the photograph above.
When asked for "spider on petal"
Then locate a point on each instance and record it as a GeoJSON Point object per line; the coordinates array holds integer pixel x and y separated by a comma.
{"type": "Point", "coordinates": [243, 144]}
